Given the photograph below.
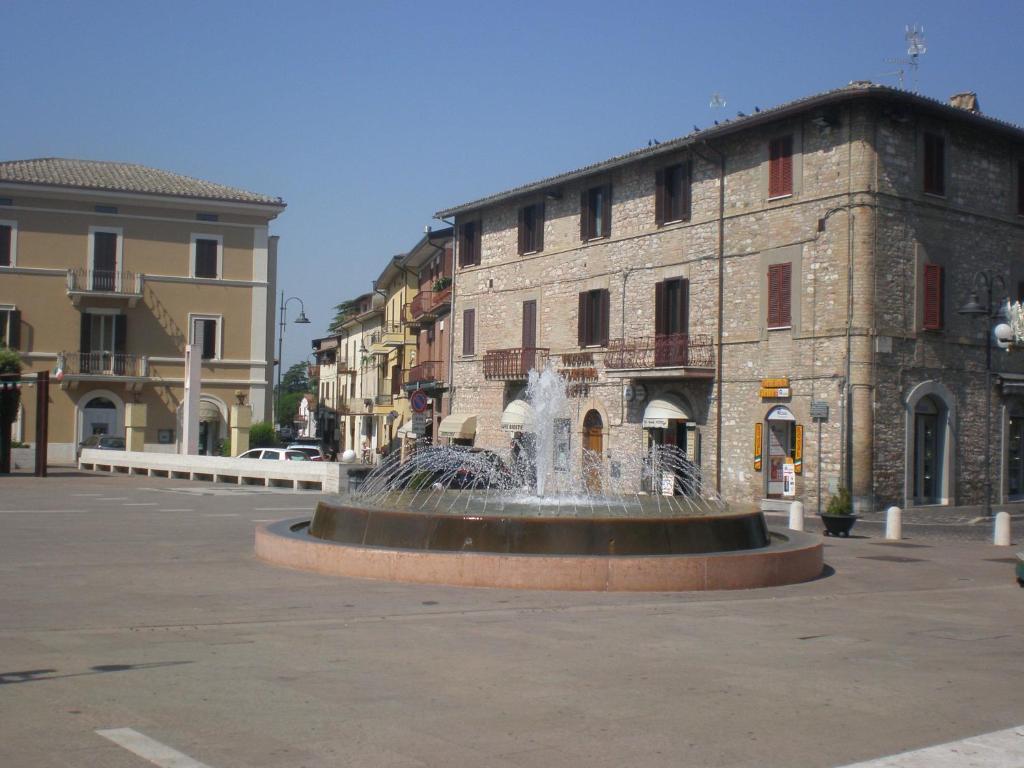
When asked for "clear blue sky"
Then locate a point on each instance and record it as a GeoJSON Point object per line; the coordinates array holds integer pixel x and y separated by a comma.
{"type": "Point", "coordinates": [368, 117]}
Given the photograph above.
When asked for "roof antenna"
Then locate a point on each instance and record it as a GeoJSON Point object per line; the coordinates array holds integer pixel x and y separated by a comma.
{"type": "Point", "coordinates": [916, 47]}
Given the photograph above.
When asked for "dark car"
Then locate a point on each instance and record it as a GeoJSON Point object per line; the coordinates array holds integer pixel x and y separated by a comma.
{"type": "Point", "coordinates": [102, 443]}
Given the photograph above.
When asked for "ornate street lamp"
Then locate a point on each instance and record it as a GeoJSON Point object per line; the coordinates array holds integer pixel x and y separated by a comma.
{"type": "Point", "coordinates": [300, 320]}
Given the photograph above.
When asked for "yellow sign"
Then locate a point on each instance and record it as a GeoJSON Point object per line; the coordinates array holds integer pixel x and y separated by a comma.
{"type": "Point", "coordinates": [798, 449]}
{"type": "Point", "coordinates": [775, 383]}
{"type": "Point", "coordinates": [757, 447]}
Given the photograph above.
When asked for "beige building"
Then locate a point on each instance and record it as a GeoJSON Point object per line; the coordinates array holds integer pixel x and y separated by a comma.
{"type": "Point", "coordinates": [107, 271]}
{"type": "Point", "coordinates": [358, 372]}
{"type": "Point", "coordinates": [776, 295]}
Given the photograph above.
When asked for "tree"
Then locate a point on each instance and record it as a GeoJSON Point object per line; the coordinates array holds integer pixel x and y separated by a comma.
{"type": "Point", "coordinates": [10, 368]}
{"type": "Point", "coordinates": [342, 313]}
{"type": "Point", "coordinates": [296, 379]}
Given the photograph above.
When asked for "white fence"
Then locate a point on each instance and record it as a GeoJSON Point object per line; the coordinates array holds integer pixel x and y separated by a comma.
{"type": "Point", "coordinates": [325, 476]}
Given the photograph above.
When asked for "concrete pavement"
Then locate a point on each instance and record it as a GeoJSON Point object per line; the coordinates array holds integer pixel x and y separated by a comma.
{"type": "Point", "coordinates": [135, 603]}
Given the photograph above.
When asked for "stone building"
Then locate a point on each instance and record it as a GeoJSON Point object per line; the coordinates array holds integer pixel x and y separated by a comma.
{"type": "Point", "coordinates": [107, 271]}
{"type": "Point", "coordinates": [716, 290]}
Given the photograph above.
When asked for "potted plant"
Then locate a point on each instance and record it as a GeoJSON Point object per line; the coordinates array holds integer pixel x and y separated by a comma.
{"type": "Point", "coordinates": [838, 516]}
{"type": "Point", "coordinates": [441, 283]}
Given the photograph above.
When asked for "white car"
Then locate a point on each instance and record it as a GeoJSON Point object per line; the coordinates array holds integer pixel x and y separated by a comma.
{"type": "Point", "coordinates": [274, 454]}
{"type": "Point", "coordinates": [313, 452]}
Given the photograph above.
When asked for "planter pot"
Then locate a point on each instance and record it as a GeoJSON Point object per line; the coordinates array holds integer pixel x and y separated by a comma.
{"type": "Point", "coordinates": [838, 525]}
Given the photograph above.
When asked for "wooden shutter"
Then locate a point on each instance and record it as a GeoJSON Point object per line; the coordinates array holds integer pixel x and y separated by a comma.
{"type": "Point", "coordinates": [14, 329]}
{"type": "Point", "coordinates": [786, 294]}
{"type": "Point", "coordinates": [209, 340]}
{"type": "Point", "coordinates": [779, 292]}
{"type": "Point", "coordinates": [206, 258]}
{"type": "Point", "coordinates": [660, 326]}
{"type": "Point", "coordinates": [659, 196]}
{"type": "Point", "coordinates": [605, 304]}
{"type": "Point", "coordinates": [780, 166]}
{"type": "Point", "coordinates": [538, 227]}
{"type": "Point", "coordinates": [934, 164]}
{"type": "Point", "coordinates": [582, 320]}
{"type": "Point", "coordinates": [684, 306]}
{"type": "Point", "coordinates": [85, 334]}
{"type": "Point", "coordinates": [468, 331]}
{"type": "Point", "coordinates": [606, 211]}
{"type": "Point", "coordinates": [529, 324]}
{"type": "Point", "coordinates": [104, 252]}
{"type": "Point", "coordinates": [120, 333]}
{"type": "Point", "coordinates": [5, 245]}
{"type": "Point", "coordinates": [686, 191]}
{"type": "Point", "coordinates": [522, 230]}
{"type": "Point", "coordinates": [932, 320]}
{"type": "Point", "coordinates": [586, 225]}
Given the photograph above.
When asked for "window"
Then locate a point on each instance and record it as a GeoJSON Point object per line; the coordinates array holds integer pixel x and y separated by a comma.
{"type": "Point", "coordinates": [933, 285]}
{"type": "Point", "coordinates": [469, 244]}
{"type": "Point", "coordinates": [672, 194]}
{"type": "Point", "coordinates": [7, 243]}
{"type": "Point", "coordinates": [934, 164]}
{"type": "Point", "coordinates": [469, 331]}
{"type": "Point", "coordinates": [105, 246]}
{"type": "Point", "coordinates": [103, 332]}
{"type": "Point", "coordinates": [531, 228]}
{"type": "Point", "coordinates": [205, 334]}
{"type": "Point", "coordinates": [780, 166]}
{"type": "Point", "coordinates": [672, 307]}
{"type": "Point", "coordinates": [596, 212]}
{"type": "Point", "coordinates": [10, 327]}
{"type": "Point", "coordinates": [779, 295]}
{"type": "Point", "coordinates": [207, 255]}
{"type": "Point", "coordinates": [593, 318]}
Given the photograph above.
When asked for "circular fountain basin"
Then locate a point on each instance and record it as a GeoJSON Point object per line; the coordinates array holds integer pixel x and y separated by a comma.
{"type": "Point", "coordinates": [522, 548]}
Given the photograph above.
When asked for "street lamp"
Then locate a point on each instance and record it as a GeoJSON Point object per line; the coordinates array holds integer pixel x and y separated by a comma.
{"type": "Point", "coordinates": [300, 320]}
{"type": "Point", "coordinates": [975, 309]}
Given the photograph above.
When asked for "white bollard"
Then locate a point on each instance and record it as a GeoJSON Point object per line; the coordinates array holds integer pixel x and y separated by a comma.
{"type": "Point", "coordinates": [796, 516]}
{"type": "Point", "coordinates": [1001, 538]}
{"type": "Point", "coordinates": [894, 524]}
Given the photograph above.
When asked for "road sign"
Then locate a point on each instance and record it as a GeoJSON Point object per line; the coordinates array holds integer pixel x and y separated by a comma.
{"type": "Point", "coordinates": [819, 410]}
{"type": "Point", "coordinates": [419, 400]}
{"type": "Point", "coordinates": [419, 424]}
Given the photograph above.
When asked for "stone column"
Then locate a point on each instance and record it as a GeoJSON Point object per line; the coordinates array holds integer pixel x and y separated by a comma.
{"type": "Point", "coordinates": [135, 426]}
{"type": "Point", "coordinates": [241, 419]}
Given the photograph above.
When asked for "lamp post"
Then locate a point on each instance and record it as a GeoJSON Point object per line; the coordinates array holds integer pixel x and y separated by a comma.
{"type": "Point", "coordinates": [974, 309]}
{"type": "Point", "coordinates": [300, 320]}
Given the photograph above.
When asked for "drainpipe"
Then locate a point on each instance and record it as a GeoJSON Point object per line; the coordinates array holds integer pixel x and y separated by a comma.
{"type": "Point", "coordinates": [451, 316]}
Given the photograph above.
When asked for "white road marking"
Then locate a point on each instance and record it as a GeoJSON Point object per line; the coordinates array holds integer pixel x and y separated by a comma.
{"type": "Point", "coordinates": [139, 504]}
{"type": "Point", "coordinates": [266, 520]}
{"type": "Point", "coordinates": [40, 511]}
{"type": "Point", "coordinates": [999, 749]}
{"type": "Point", "coordinates": [177, 510]}
{"type": "Point", "coordinates": [150, 749]}
{"type": "Point", "coordinates": [114, 498]}
{"type": "Point", "coordinates": [281, 509]}
{"type": "Point", "coordinates": [221, 514]}
{"type": "Point", "coordinates": [86, 494]}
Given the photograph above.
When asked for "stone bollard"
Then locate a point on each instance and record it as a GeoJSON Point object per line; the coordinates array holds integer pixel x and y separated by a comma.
{"type": "Point", "coordinates": [894, 524]}
{"type": "Point", "coordinates": [796, 516]}
{"type": "Point", "coordinates": [1001, 537]}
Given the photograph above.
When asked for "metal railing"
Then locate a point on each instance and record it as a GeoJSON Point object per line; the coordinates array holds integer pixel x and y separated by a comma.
{"type": "Point", "coordinates": [104, 281]}
{"type": "Point", "coordinates": [674, 350]}
{"type": "Point", "coordinates": [426, 302]}
{"type": "Point", "coordinates": [383, 399]}
{"type": "Point", "coordinates": [514, 363]}
{"type": "Point", "coordinates": [428, 370]}
{"type": "Point", "coordinates": [103, 364]}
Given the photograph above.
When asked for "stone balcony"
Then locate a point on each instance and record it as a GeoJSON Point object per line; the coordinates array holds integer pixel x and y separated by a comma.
{"type": "Point", "coordinates": [104, 284]}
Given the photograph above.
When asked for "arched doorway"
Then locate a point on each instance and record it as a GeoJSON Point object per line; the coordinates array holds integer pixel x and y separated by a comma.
{"type": "Point", "coordinates": [101, 415]}
{"type": "Point", "coordinates": [927, 465]}
{"type": "Point", "coordinates": [593, 448]}
{"type": "Point", "coordinates": [781, 441]}
{"type": "Point", "coordinates": [211, 426]}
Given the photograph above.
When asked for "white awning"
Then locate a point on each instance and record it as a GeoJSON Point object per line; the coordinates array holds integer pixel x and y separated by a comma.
{"type": "Point", "coordinates": [663, 408]}
{"type": "Point", "coordinates": [458, 425]}
{"type": "Point", "coordinates": [518, 414]}
{"type": "Point", "coordinates": [405, 430]}
{"type": "Point", "coordinates": [781, 413]}
{"type": "Point", "coordinates": [208, 411]}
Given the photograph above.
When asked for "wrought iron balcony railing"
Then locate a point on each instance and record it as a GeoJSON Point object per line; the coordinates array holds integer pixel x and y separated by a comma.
{"type": "Point", "coordinates": [515, 363]}
{"type": "Point", "coordinates": [675, 350]}
{"type": "Point", "coordinates": [426, 303]}
{"type": "Point", "coordinates": [103, 364]}
{"type": "Point", "coordinates": [104, 281]}
{"type": "Point", "coordinates": [384, 399]}
{"type": "Point", "coordinates": [426, 371]}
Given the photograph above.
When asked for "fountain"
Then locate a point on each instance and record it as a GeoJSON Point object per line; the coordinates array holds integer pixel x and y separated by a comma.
{"type": "Point", "coordinates": [524, 519]}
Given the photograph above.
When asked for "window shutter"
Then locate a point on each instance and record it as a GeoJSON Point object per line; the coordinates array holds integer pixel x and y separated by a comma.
{"type": "Point", "coordinates": [774, 296]}
{"type": "Point", "coordinates": [605, 299]}
{"type": "Point", "coordinates": [581, 320]}
{"type": "Point", "coordinates": [522, 231]}
{"type": "Point", "coordinates": [529, 324]}
{"type": "Point", "coordinates": [606, 211]}
{"type": "Point", "coordinates": [773, 168]}
{"type": "Point", "coordinates": [120, 333]}
{"type": "Point", "coordinates": [659, 197]}
{"type": "Point", "coordinates": [934, 164]}
{"type": "Point", "coordinates": [659, 309]}
{"type": "Point", "coordinates": [684, 306]}
{"type": "Point", "coordinates": [585, 226]}
{"type": "Point", "coordinates": [14, 329]}
{"type": "Point", "coordinates": [84, 340]}
{"type": "Point", "coordinates": [206, 258]}
{"type": "Point", "coordinates": [538, 225]}
{"type": "Point", "coordinates": [5, 245]}
{"type": "Point", "coordinates": [686, 191]}
{"type": "Point", "coordinates": [780, 166]}
{"type": "Point", "coordinates": [786, 162]}
{"type": "Point", "coordinates": [477, 241]}
{"type": "Point", "coordinates": [932, 297]}
{"type": "Point", "coordinates": [785, 294]}
{"type": "Point", "coordinates": [468, 331]}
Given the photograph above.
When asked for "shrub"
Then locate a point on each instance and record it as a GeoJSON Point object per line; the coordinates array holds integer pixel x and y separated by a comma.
{"type": "Point", "coordinates": [261, 435]}
{"type": "Point", "coordinates": [841, 503]}
{"type": "Point", "coordinates": [441, 283]}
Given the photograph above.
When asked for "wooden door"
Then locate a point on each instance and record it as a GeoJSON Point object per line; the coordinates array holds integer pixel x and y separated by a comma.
{"type": "Point", "coordinates": [593, 449]}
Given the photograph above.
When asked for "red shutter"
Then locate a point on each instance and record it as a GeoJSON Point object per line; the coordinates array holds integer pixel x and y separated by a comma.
{"type": "Point", "coordinates": [522, 231]}
{"type": "Point", "coordinates": [774, 296]}
{"type": "Point", "coordinates": [660, 326]}
{"type": "Point", "coordinates": [605, 300]}
{"type": "Point", "coordinates": [787, 166]}
{"type": "Point", "coordinates": [538, 224]}
{"type": "Point", "coordinates": [659, 197]}
{"type": "Point", "coordinates": [932, 320]}
{"type": "Point", "coordinates": [606, 211]}
{"type": "Point", "coordinates": [5, 245]}
{"type": "Point", "coordinates": [785, 294]}
{"type": "Point", "coordinates": [468, 331]}
{"type": "Point", "coordinates": [582, 335]}
{"type": "Point", "coordinates": [780, 166]}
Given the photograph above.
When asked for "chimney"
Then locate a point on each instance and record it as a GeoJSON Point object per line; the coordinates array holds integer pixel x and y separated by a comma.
{"type": "Point", "coordinates": [967, 100]}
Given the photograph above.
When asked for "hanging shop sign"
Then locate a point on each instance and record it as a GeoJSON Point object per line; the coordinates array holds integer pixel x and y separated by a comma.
{"type": "Point", "coordinates": [774, 388]}
{"type": "Point", "coordinates": [798, 449]}
{"type": "Point", "coordinates": [656, 423]}
{"type": "Point", "coordinates": [757, 446]}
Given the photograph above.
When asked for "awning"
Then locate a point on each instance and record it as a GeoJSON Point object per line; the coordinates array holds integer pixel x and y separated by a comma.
{"type": "Point", "coordinates": [663, 408]}
{"type": "Point", "coordinates": [405, 431]}
{"type": "Point", "coordinates": [1011, 382]}
{"type": "Point", "coordinates": [518, 414]}
{"type": "Point", "coordinates": [781, 413]}
{"type": "Point", "coordinates": [458, 425]}
{"type": "Point", "coordinates": [208, 411]}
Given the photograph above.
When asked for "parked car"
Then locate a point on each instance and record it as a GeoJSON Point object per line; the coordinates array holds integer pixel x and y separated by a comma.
{"type": "Point", "coordinates": [274, 454]}
{"type": "Point", "coordinates": [459, 468]}
{"type": "Point", "coordinates": [102, 443]}
{"type": "Point", "coordinates": [312, 450]}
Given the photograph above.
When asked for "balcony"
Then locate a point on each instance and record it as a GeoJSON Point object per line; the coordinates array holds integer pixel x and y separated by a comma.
{"type": "Point", "coordinates": [513, 364]}
{"type": "Point", "coordinates": [428, 374]}
{"type": "Point", "coordinates": [653, 356]}
{"type": "Point", "coordinates": [426, 305]}
{"type": "Point", "coordinates": [394, 335]}
{"type": "Point", "coordinates": [107, 284]}
{"type": "Point", "coordinates": [384, 401]}
{"type": "Point", "coordinates": [114, 364]}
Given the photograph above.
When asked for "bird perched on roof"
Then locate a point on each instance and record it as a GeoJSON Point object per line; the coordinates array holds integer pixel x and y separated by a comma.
{"type": "Point", "coordinates": [696, 128]}
{"type": "Point", "coordinates": [740, 114]}
{"type": "Point", "coordinates": [757, 108]}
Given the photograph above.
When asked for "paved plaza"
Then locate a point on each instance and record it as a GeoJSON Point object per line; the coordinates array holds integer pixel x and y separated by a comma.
{"type": "Point", "coordinates": [137, 626]}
